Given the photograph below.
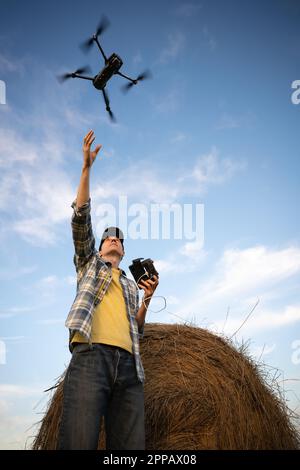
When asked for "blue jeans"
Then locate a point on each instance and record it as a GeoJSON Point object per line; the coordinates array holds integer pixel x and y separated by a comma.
{"type": "Point", "coordinates": [101, 380]}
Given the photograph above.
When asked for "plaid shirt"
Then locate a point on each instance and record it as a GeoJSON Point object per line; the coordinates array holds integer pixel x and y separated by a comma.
{"type": "Point", "coordinates": [93, 279]}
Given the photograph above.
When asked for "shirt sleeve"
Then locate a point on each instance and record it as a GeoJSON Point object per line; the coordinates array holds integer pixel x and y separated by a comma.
{"type": "Point", "coordinates": [83, 237]}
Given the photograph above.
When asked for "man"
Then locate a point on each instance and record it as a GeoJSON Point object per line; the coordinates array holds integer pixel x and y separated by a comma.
{"type": "Point", "coordinates": [105, 376]}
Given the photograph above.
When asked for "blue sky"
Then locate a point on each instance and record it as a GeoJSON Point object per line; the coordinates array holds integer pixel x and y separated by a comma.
{"type": "Point", "coordinates": [215, 126]}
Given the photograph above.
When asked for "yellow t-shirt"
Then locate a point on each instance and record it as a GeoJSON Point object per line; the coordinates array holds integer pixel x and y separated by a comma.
{"type": "Point", "coordinates": [110, 323]}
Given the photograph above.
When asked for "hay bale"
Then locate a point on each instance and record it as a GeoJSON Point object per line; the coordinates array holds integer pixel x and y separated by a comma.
{"type": "Point", "coordinates": [200, 393]}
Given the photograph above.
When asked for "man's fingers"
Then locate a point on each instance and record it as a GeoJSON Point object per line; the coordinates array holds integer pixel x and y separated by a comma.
{"type": "Point", "coordinates": [144, 285]}
{"type": "Point", "coordinates": [88, 135]}
{"type": "Point", "coordinates": [90, 141]}
{"type": "Point", "coordinates": [90, 138]}
{"type": "Point", "coordinates": [149, 282]}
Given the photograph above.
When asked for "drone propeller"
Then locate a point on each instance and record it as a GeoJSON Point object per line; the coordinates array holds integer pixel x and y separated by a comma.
{"type": "Point", "coordinates": [111, 115]}
{"type": "Point", "coordinates": [80, 71]}
{"type": "Point", "coordinates": [142, 76]}
{"type": "Point", "coordinates": [102, 26]}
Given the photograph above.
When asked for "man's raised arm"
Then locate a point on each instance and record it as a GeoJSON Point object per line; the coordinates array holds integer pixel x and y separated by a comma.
{"type": "Point", "coordinates": [83, 238]}
{"type": "Point", "coordinates": [89, 157]}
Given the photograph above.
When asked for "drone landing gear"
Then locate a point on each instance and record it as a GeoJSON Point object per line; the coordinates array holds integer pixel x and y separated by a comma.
{"type": "Point", "coordinates": [106, 99]}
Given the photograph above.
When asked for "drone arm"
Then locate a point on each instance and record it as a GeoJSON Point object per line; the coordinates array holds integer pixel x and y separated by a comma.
{"type": "Point", "coordinates": [75, 75]}
{"type": "Point", "coordinates": [100, 48]}
{"type": "Point", "coordinates": [127, 78]}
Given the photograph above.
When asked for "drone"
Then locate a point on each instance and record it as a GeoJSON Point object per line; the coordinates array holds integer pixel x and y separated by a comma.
{"type": "Point", "coordinates": [112, 67]}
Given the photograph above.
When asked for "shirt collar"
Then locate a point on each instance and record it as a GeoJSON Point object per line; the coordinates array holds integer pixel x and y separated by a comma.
{"type": "Point", "coordinates": [108, 263]}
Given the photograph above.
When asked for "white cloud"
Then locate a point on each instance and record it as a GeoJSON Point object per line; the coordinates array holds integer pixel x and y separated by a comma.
{"type": "Point", "coordinates": [34, 148]}
{"type": "Point", "coordinates": [48, 281]}
{"type": "Point", "coordinates": [175, 46]}
{"type": "Point", "coordinates": [155, 187]}
{"type": "Point", "coordinates": [9, 390]}
{"type": "Point", "coordinates": [47, 287]}
{"type": "Point", "coordinates": [77, 120]}
{"type": "Point", "coordinates": [258, 266]}
{"type": "Point", "coordinates": [30, 175]}
{"type": "Point", "coordinates": [193, 250]}
{"type": "Point", "coordinates": [172, 300]}
{"type": "Point", "coordinates": [164, 266]}
{"type": "Point", "coordinates": [40, 208]}
{"type": "Point", "coordinates": [14, 149]}
{"type": "Point", "coordinates": [12, 338]}
{"type": "Point", "coordinates": [227, 121]}
{"type": "Point", "coordinates": [10, 273]}
{"type": "Point", "coordinates": [262, 319]}
{"type": "Point", "coordinates": [187, 258]}
{"type": "Point", "coordinates": [178, 137]}
{"type": "Point", "coordinates": [70, 280]}
{"type": "Point", "coordinates": [209, 39]}
{"type": "Point", "coordinates": [16, 427]}
{"type": "Point", "coordinates": [109, 152]}
{"type": "Point", "coordinates": [211, 169]}
{"type": "Point", "coordinates": [251, 270]}
{"type": "Point", "coordinates": [12, 65]}
{"type": "Point", "coordinates": [137, 58]}
{"type": "Point", "coordinates": [13, 311]}
{"type": "Point", "coordinates": [265, 350]}
{"type": "Point", "coordinates": [169, 102]}
{"type": "Point", "coordinates": [187, 10]}
{"type": "Point", "coordinates": [160, 187]}
{"type": "Point", "coordinates": [242, 275]}
{"type": "Point", "coordinates": [35, 231]}
{"type": "Point", "coordinates": [51, 321]}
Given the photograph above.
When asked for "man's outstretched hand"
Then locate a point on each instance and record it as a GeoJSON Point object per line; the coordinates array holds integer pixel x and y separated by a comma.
{"type": "Point", "coordinates": [89, 155]}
